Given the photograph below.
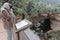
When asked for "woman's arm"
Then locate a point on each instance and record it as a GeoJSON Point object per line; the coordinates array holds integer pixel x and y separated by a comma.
{"type": "Point", "coordinates": [6, 14]}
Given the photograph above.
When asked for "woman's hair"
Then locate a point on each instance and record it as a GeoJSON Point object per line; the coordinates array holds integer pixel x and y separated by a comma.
{"type": "Point", "coordinates": [11, 6]}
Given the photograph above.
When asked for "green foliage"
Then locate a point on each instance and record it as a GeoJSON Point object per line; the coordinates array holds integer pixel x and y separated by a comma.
{"type": "Point", "coordinates": [55, 35]}
{"type": "Point", "coordinates": [1, 3]}
{"type": "Point", "coordinates": [30, 6]}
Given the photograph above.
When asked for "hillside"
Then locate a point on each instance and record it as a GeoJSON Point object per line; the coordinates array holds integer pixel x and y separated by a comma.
{"type": "Point", "coordinates": [20, 6]}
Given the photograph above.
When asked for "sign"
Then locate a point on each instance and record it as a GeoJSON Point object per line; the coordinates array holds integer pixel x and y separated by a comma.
{"type": "Point", "coordinates": [23, 24]}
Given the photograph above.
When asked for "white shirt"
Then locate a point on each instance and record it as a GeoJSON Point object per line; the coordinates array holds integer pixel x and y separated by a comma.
{"type": "Point", "coordinates": [6, 5]}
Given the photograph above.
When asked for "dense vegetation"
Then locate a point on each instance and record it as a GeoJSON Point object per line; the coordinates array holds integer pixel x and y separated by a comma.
{"type": "Point", "coordinates": [54, 35]}
{"type": "Point", "coordinates": [32, 6]}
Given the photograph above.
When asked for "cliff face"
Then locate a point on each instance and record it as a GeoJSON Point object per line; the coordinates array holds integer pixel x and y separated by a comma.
{"type": "Point", "coordinates": [57, 16]}
{"type": "Point", "coordinates": [3, 35]}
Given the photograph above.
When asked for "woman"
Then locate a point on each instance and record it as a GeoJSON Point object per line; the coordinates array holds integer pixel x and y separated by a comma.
{"type": "Point", "coordinates": [7, 18]}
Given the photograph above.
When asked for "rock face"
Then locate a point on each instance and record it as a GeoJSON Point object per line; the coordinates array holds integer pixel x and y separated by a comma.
{"type": "Point", "coordinates": [57, 16]}
{"type": "Point", "coordinates": [55, 25]}
{"type": "Point", "coordinates": [3, 35]}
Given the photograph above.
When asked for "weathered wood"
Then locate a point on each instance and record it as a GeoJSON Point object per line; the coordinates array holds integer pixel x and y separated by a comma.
{"type": "Point", "coordinates": [15, 35]}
